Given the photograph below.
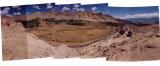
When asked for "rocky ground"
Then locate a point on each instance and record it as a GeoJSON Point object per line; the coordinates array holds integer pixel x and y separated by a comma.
{"type": "Point", "coordinates": [14, 42]}
{"type": "Point", "coordinates": [144, 44]}
{"type": "Point", "coordinates": [20, 45]}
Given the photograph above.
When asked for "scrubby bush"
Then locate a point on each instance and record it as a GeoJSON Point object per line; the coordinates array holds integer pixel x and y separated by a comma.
{"type": "Point", "coordinates": [49, 20]}
{"type": "Point", "coordinates": [53, 21]}
{"type": "Point", "coordinates": [76, 22]}
{"type": "Point", "coordinates": [33, 23]}
{"type": "Point", "coordinates": [30, 23]}
{"type": "Point", "coordinates": [69, 22]}
{"type": "Point", "coordinates": [112, 24]}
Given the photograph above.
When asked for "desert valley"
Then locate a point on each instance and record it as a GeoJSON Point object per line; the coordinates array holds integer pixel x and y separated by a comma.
{"type": "Point", "coordinates": [79, 34]}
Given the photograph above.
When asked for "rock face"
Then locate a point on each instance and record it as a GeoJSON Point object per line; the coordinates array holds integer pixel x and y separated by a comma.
{"type": "Point", "coordinates": [137, 50]}
{"type": "Point", "coordinates": [14, 44]}
{"type": "Point", "coordinates": [144, 45]}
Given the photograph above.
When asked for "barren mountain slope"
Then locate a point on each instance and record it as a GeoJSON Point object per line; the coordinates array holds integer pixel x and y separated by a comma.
{"type": "Point", "coordinates": [18, 44]}
{"type": "Point", "coordinates": [85, 16]}
{"type": "Point", "coordinates": [14, 42]}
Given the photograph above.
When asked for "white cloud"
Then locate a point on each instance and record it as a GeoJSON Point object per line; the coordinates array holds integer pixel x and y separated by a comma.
{"type": "Point", "coordinates": [75, 9]}
{"type": "Point", "coordinates": [49, 6]}
{"type": "Point", "coordinates": [9, 15]}
{"type": "Point", "coordinates": [80, 9]}
{"type": "Point", "coordinates": [143, 15]}
{"type": "Point", "coordinates": [65, 8]}
{"type": "Point", "coordinates": [17, 13]}
{"type": "Point", "coordinates": [5, 11]}
{"type": "Point", "coordinates": [76, 6]}
{"type": "Point", "coordinates": [36, 7]}
{"type": "Point", "coordinates": [17, 7]}
{"type": "Point", "coordinates": [27, 13]}
{"type": "Point", "coordinates": [94, 8]}
{"type": "Point", "coordinates": [38, 12]}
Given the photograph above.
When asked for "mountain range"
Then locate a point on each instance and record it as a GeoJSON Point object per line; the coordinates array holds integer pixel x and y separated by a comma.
{"type": "Point", "coordinates": [143, 20]}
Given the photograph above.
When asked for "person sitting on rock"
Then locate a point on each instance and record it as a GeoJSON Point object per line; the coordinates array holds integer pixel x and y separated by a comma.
{"type": "Point", "coordinates": [129, 34]}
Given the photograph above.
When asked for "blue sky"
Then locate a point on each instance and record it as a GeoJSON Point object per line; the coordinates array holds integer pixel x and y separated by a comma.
{"type": "Point", "coordinates": [28, 9]}
{"type": "Point", "coordinates": [66, 7]}
{"type": "Point", "coordinates": [143, 12]}
{"type": "Point", "coordinates": [11, 11]}
{"type": "Point", "coordinates": [39, 8]}
{"type": "Point", "coordinates": [134, 12]}
{"type": "Point", "coordinates": [118, 12]}
{"type": "Point", "coordinates": [103, 8]}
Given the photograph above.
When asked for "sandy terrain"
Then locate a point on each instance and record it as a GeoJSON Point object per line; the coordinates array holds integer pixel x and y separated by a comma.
{"type": "Point", "coordinates": [14, 43]}
{"type": "Point", "coordinates": [40, 49]}
{"type": "Point", "coordinates": [71, 35]}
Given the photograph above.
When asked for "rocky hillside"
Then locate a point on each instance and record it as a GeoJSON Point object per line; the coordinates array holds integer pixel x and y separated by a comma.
{"type": "Point", "coordinates": [137, 42]}
{"type": "Point", "coordinates": [14, 44]}
{"type": "Point", "coordinates": [85, 16]}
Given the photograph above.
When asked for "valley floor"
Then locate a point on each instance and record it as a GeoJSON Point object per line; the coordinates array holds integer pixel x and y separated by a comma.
{"type": "Point", "coordinates": [18, 44]}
